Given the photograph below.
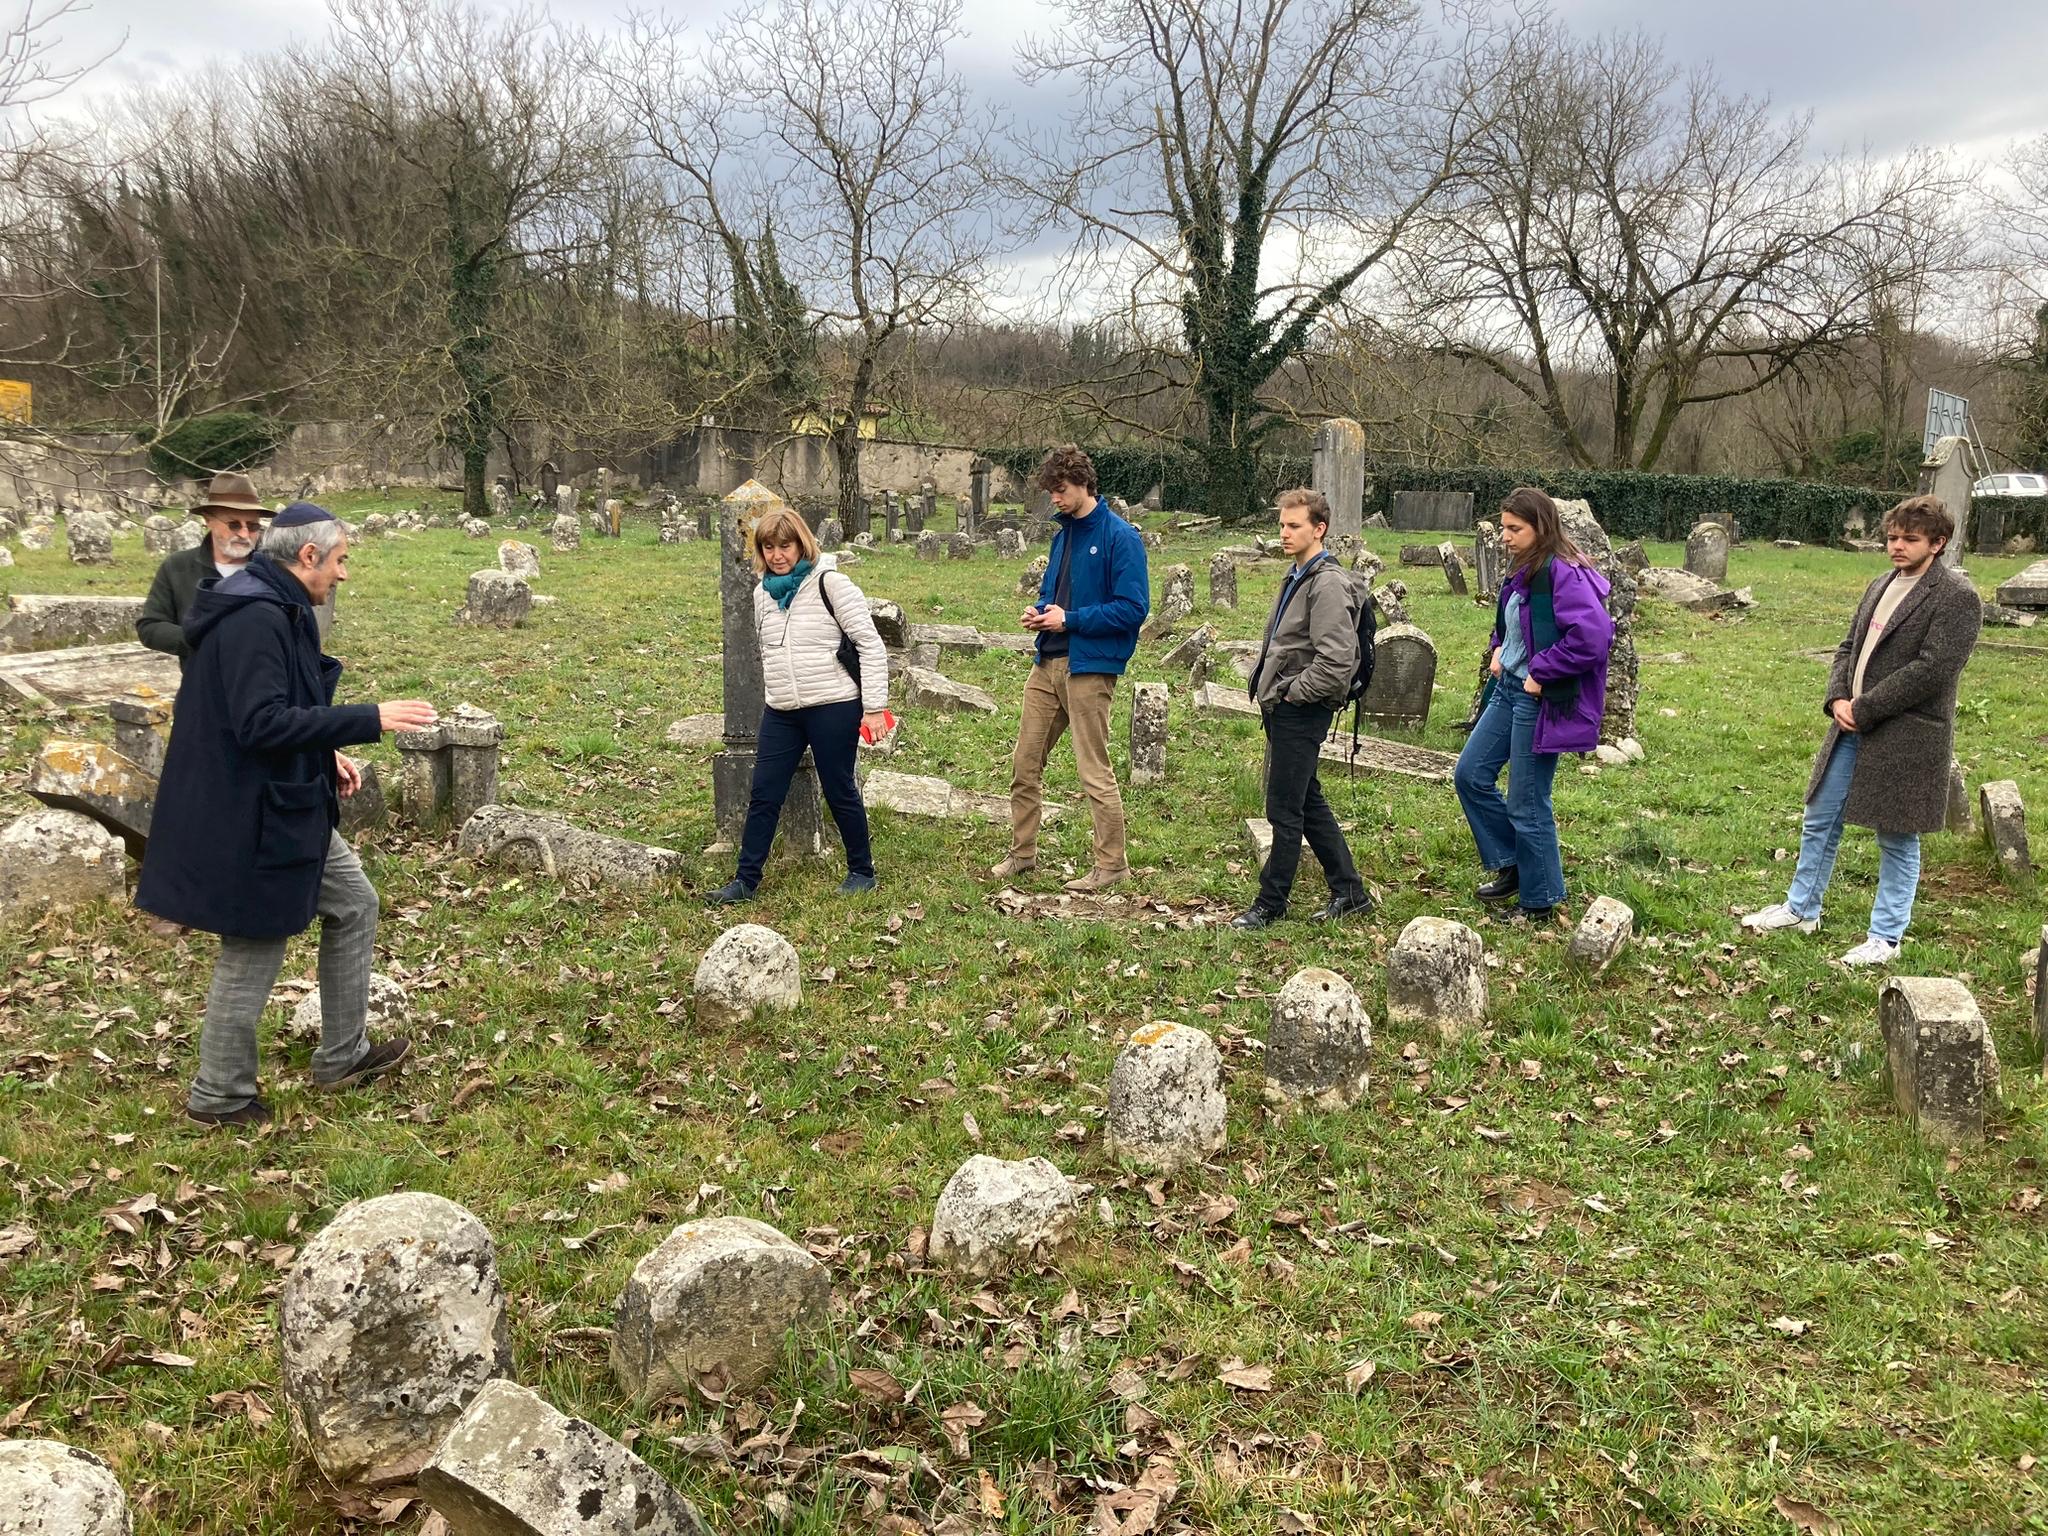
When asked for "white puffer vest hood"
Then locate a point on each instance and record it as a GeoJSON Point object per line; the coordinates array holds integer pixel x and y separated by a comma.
{"type": "Point", "coordinates": [800, 644]}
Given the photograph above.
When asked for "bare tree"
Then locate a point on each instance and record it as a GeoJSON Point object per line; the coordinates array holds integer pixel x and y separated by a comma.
{"type": "Point", "coordinates": [1621, 217]}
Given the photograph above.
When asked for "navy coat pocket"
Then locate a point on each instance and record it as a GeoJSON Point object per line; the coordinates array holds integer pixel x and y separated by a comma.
{"type": "Point", "coordinates": [295, 825]}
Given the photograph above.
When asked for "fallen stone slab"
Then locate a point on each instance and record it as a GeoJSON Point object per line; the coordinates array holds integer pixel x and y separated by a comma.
{"type": "Point", "coordinates": [91, 778]}
{"type": "Point", "coordinates": [696, 731]}
{"type": "Point", "coordinates": [916, 794]}
{"type": "Point", "coordinates": [994, 1215]}
{"type": "Point", "coordinates": [2005, 827]}
{"type": "Point", "coordinates": [391, 1321]}
{"type": "Point", "coordinates": [749, 970]}
{"type": "Point", "coordinates": [1998, 616]}
{"type": "Point", "coordinates": [714, 1303]}
{"type": "Point", "coordinates": [1166, 1103]}
{"type": "Point", "coordinates": [390, 1010]}
{"type": "Point", "coordinates": [1189, 648]}
{"type": "Point", "coordinates": [924, 689]}
{"type": "Point", "coordinates": [1318, 1043]}
{"type": "Point", "coordinates": [2027, 590]}
{"type": "Point", "coordinates": [1403, 759]}
{"type": "Point", "coordinates": [89, 676]}
{"type": "Point", "coordinates": [513, 1465]}
{"type": "Point", "coordinates": [951, 639]}
{"type": "Point", "coordinates": [1601, 935]}
{"type": "Point", "coordinates": [1940, 1060]}
{"type": "Point", "coordinates": [1218, 702]}
{"type": "Point", "coordinates": [1436, 977]}
{"type": "Point", "coordinates": [1684, 589]}
{"type": "Point", "coordinates": [53, 860]}
{"type": "Point", "coordinates": [48, 1488]}
{"type": "Point", "coordinates": [36, 622]}
{"type": "Point", "coordinates": [521, 839]}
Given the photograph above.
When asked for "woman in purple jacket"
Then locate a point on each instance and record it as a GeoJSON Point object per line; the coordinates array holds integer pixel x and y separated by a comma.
{"type": "Point", "coordinates": [1549, 651]}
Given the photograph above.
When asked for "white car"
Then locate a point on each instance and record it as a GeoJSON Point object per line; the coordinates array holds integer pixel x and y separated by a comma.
{"type": "Point", "coordinates": [2011, 485]}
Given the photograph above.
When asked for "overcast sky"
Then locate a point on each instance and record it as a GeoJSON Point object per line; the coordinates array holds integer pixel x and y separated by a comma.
{"type": "Point", "coordinates": [1875, 72]}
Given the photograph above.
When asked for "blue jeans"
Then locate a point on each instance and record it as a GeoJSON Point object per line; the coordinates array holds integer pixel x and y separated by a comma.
{"type": "Point", "coordinates": [1820, 839]}
{"type": "Point", "coordinates": [1517, 829]}
{"type": "Point", "coordinates": [832, 732]}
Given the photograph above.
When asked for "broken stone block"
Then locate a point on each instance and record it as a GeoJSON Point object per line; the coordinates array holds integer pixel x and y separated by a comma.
{"type": "Point", "coordinates": [930, 547]}
{"type": "Point", "coordinates": [475, 528]}
{"type": "Point", "coordinates": [565, 534]}
{"type": "Point", "coordinates": [1175, 604]}
{"type": "Point", "coordinates": [390, 1011]}
{"type": "Point", "coordinates": [51, 860]}
{"type": "Point", "coordinates": [1319, 1043]}
{"type": "Point", "coordinates": [1189, 649]}
{"type": "Point", "coordinates": [1436, 977]}
{"type": "Point", "coordinates": [93, 779]}
{"type": "Point", "coordinates": [928, 690]}
{"type": "Point", "coordinates": [364, 810]}
{"type": "Point", "coordinates": [749, 970]}
{"type": "Point", "coordinates": [1148, 733]}
{"type": "Point", "coordinates": [889, 622]}
{"type": "Point", "coordinates": [1033, 577]}
{"type": "Point", "coordinates": [34, 621]}
{"type": "Point", "coordinates": [916, 794]}
{"type": "Point", "coordinates": [696, 731]}
{"type": "Point", "coordinates": [959, 546]}
{"type": "Point", "coordinates": [392, 1319]}
{"type": "Point", "coordinates": [1223, 580]}
{"type": "Point", "coordinates": [497, 600]}
{"type": "Point", "coordinates": [1009, 544]}
{"type": "Point", "coordinates": [159, 534]}
{"type": "Point", "coordinates": [1390, 603]}
{"type": "Point", "coordinates": [1601, 934]}
{"type": "Point", "coordinates": [48, 1488]}
{"type": "Point", "coordinates": [1166, 1103]}
{"type": "Point", "coordinates": [2005, 827]}
{"type": "Point", "coordinates": [1258, 839]}
{"type": "Point", "coordinates": [142, 727]}
{"type": "Point", "coordinates": [1957, 818]}
{"type": "Point", "coordinates": [715, 1300]}
{"type": "Point", "coordinates": [1215, 701]}
{"type": "Point", "coordinates": [1685, 589]}
{"type": "Point", "coordinates": [521, 839]}
{"type": "Point", "coordinates": [1939, 1058]}
{"type": "Point", "coordinates": [90, 538]}
{"type": "Point", "coordinates": [951, 639]}
{"type": "Point", "coordinates": [515, 1466]}
{"type": "Point", "coordinates": [994, 1215]}
{"type": "Point", "coordinates": [518, 559]}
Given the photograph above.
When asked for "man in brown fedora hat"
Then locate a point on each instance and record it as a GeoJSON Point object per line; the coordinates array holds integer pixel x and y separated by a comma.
{"type": "Point", "coordinates": [234, 522]}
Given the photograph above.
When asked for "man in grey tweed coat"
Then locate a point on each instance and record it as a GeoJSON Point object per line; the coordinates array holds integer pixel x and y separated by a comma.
{"type": "Point", "coordinates": [1891, 707]}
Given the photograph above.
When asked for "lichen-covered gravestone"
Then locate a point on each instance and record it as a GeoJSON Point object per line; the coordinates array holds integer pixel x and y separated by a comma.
{"type": "Point", "coordinates": [48, 1488]}
{"type": "Point", "coordinates": [90, 537]}
{"type": "Point", "coordinates": [497, 600]}
{"type": "Point", "coordinates": [392, 1319]}
{"type": "Point", "coordinates": [1166, 1104]}
{"type": "Point", "coordinates": [564, 534]}
{"type": "Point", "coordinates": [1148, 733]}
{"type": "Point", "coordinates": [1601, 934]}
{"type": "Point", "coordinates": [519, 559]}
{"type": "Point", "coordinates": [1033, 577]}
{"type": "Point", "coordinates": [1939, 1057]}
{"type": "Point", "coordinates": [513, 1465]}
{"type": "Point", "coordinates": [714, 1303]}
{"type": "Point", "coordinates": [1403, 679]}
{"type": "Point", "coordinates": [1957, 816]}
{"type": "Point", "coordinates": [1319, 1043]}
{"type": "Point", "coordinates": [749, 970]}
{"type": "Point", "coordinates": [51, 860]}
{"type": "Point", "coordinates": [389, 1012]}
{"type": "Point", "coordinates": [2005, 827]}
{"type": "Point", "coordinates": [1223, 579]}
{"type": "Point", "coordinates": [994, 1214]}
{"type": "Point", "coordinates": [930, 546]}
{"type": "Point", "coordinates": [1436, 977]}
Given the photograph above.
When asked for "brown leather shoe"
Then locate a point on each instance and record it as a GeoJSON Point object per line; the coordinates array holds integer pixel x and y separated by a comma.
{"type": "Point", "coordinates": [250, 1115]}
{"type": "Point", "coordinates": [376, 1061]}
{"type": "Point", "coordinates": [1098, 880]}
{"type": "Point", "coordinates": [1011, 868]}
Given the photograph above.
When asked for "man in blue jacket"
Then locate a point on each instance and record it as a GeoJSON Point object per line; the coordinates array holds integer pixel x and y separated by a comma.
{"type": "Point", "coordinates": [243, 840]}
{"type": "Point", "coordinates": [1091, 604]}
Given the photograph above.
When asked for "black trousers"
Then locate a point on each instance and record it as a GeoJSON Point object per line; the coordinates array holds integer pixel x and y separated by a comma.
{"type": "Point", "coordinates": [1296, 808]}
{"type": "Point", "coordinates": [832, 732]}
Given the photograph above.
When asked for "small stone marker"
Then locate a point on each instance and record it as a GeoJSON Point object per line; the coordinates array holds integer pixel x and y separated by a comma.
{"type": "Point", "coordinates": [1940, 1059]}
{"type": "Point", "coordinates": [475, 528]}
{"type": "Point", "coordinates": [90, 538]}
{"type": "Point", "coordinates": [142, 727]}
{"type": "Point", "coordinates": [1033, 577]}
{"type": "Point", "coordinates": [54, 860]}
{"type": "Point", "coordinates": [390, 1010]}
{"type": "Point", "coordinates": [1009, 544]}
{"type": "Point", "coordinates": [1489, 560]}
{"type": "Point", "coordinates": [517, 559]}
{"type": "Point", "coordinates": [928, 690]}
{"type": "Point", "coordinates": [564, 534]}
{"type": "Point", "coordinates": [1390, 604]}
{"type": "Point", "coordinates": [497, 600]}
{"type": "Point", "coordinates": [959, 546]}
{"type": "Point", "coordinates": [1175, 604]}
{"type": "Point", "coordinates": [1148, 732]}
{"type": "Point", "coordinates": [1190, 649]}
{"type": "Point", "coordinates": [159, 535]}
{"type": "Point", "coordinates": [749, 970]}
{"type": "Point", "coordinates": [2041, 992]}
{"type": "Point", "coordinates": [993, 1215]}
{"type": "Point", "coordinates": [1222, 580]}
{"type": "Point", "coordinates": [1454, 568]}
{"type": "Point", "coordinates": [716, 1300]}
{"type": "Point", "coordinates": [449, 771]}
{"type": "Point", "coordinates": [505, 834]}
{"type": "Point", "coordinates": [1166, 1103]}
{"type": "Point", "coordinates": [2005, 827]}
{"type": "Point", "coordinates": [1601, 934]}
{"type": "Point", "coordinates": [48, 1488]}
{"type": "Point", "coordinates": [392, 1319]}
{"type": "Point", "coordinates": [1319, 1043]}
{"type": "Point", "coordinates": [930, 546]}
{"type": "Point", "coordinates": [1706, 552]}
{"type": "Point", "coordinates": [1403, 678]}
{"type": "Point", "coordinates": [565, 502]}
{"type": "Point", "coordinates": [1436, 976]}
{"type": "Point", "coordinates": [830, 534]}
{"type": "Point", "coordinates": [514, 1466]}
{"type": "Point", "coordinates": [1957, 816]}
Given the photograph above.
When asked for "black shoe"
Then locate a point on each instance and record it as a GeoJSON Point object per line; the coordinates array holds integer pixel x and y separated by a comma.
{"type": "Point", "coordinates": [1345, 906]}
{"type": "Point", "coordinates": [856, 885]}
{"type": "Point", "coordinates": [1536, 914]}
{"type": "Point", "coordinates": [377, 1060]}
{"type": "Point", "coordinates": [730, 892]}
{"type": "Point", "coordinates": [1505, 883]}
{"type": "Point", "coordinates": [253, 1113]}
{"type": "Point", "coordinates": [1255, 916]}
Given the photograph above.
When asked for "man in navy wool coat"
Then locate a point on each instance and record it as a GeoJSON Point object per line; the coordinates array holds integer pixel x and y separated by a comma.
{"type": "Point", "coordinates": [243, 840]}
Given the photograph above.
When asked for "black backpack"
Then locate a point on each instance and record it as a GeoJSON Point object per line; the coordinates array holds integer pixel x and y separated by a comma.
{"type": "Point", "coordinates": [848, 654]}
{"type": "Point", "coordinates": [1361, 679]}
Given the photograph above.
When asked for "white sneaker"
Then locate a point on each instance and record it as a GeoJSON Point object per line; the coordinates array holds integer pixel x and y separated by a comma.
{"type": "Point", "coordinates": [1777, 916]}
{"type": "Point", "coordinates": [1872, 952]}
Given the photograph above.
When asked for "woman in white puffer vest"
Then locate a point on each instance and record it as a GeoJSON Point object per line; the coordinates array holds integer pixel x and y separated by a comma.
{"type": "Point", "coordinates": [803, 607]}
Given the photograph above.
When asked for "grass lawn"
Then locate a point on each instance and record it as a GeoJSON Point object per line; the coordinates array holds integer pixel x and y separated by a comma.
{"type": "Point", "coordinates": [1651, 1254]}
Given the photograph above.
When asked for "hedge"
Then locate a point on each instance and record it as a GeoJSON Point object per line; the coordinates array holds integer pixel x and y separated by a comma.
{"type": "Point", "coordinates": [2022, 516]}
{"type": "Point", "coordinates": [204, 445]}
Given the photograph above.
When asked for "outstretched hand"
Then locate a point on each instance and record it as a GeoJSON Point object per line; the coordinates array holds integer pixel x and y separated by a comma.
{"type": "Point", "coordinates": [406, 715]}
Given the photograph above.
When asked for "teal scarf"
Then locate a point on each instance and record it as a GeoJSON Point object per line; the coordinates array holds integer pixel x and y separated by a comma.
{"type": "Point", "coordinates": [783, 588]}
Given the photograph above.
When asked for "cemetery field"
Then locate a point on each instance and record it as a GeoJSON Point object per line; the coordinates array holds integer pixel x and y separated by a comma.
{"type": "Point", "coordinates": [1651, 1254]}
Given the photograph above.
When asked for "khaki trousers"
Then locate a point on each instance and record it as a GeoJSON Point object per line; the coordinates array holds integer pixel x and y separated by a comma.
{"type": "Point", "coordinates": [1053, 702]}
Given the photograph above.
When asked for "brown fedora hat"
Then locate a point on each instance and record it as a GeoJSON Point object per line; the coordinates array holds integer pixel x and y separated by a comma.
{"type": "Point", "coordinates": [230, 492]}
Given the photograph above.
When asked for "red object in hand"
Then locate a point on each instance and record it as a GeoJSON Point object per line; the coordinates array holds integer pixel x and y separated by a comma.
{"type": "Point", "coordinates": [867, 732]}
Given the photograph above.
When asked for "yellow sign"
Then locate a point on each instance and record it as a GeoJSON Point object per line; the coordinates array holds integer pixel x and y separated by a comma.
{"type": "Point", "coordinates": [17, 402]}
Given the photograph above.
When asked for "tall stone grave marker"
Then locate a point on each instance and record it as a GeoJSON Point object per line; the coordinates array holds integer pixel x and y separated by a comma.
{"type": "Point", "coordinates": [1706, 552]}
{"type": "Point", "coordinates": [927, 505]}
{"type": "Point", "coordinates": [1489, 560]}
{"type": "Point", "coordinates": [1946, 473]}
{"type": "Point", "coordinates": [1618, 722]}
{"type": "Point", "coordinates": [1339, 473]}
{"type": "Point", "coordinates": [977, 496]}
{"type": "Point", "coordinates": [550, 480]}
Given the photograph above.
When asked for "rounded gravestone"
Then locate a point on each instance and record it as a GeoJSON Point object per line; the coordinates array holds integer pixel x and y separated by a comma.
{"type": "Point", "coordinates": [389, 1009]}
{"type": "Point", "coordinates": [1436, 976]}
{"type": "Point", "coordinates": [747, 971]}
{"type": "Point", "coordinates": [519, 559]}
{"type": "Point", "coordinates": [994, 1214]}
{"type": "Point", "coordinates": [392, 1319]}
{"type": "Point", "coordinates": [564, 534]}
{"type": "Point", "coordinates": [1166, 1104]}
{"type": "Point", "coordinates": [930, 546]}
{"type": "Point", "coordinates": [52, 859]}
{"type": "Point", "coordinates": [716, 1299]}
{"type": "Point", "coordinates": [1706, 552]}
{"type": "Point", "coordinates": [1319, 1043]}
{"type": "Point", "coordinates": [90, 538]}
{"type": "Point", "coordinates": [159, 535]}
{"type": "Point", "coordinates": [48, 1488]}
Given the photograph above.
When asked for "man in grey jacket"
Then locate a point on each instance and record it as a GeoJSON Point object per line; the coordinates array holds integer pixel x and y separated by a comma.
{"type": "Point", "coordinates": [234, 522]}
{"type": "Point", "coordinates": [1891, 708]}
{"type": "Point", "coordinates": [1300, 680]}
